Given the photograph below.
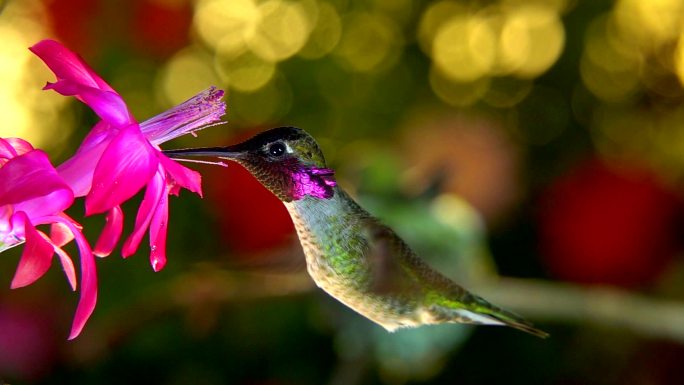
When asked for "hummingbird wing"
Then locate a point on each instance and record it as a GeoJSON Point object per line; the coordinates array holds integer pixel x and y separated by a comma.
{"type": "Point", "coordinates": [399, 272]}
{"type": "Point", "coordinates": [392, 262]}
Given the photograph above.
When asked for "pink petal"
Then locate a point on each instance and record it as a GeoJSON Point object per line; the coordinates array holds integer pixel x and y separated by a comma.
{"type": "Point", "coordinates": [36, 258]}
{"type": "Point", "coordinates": [78, 170]}
{"type": "Point", "coordinates": [101, 132]}
{"type": "Point", "coordinates": [86, 304]}
{"type": "Point", "coordinates": [88, 298]}
{"type": "Point", "coordinates": [108, 105]}
{"type": "Point", "coordinates": [67, 265]}
{"type": "Point", "coordinates": [60, 234]}
{"type": "Point", "coordinates": [125, 167]}
{"type": "Point", "coordinates": [153, 194]}
{"type": "Point", "coordinates": [158, 227]}
{"type": "Point", "coordinates": [7, 152]}
{"type": "Point", "coordinates": [11, 147]}
{"type": "Point", "coordinates": [111, 233]}
{"type": "Point", "coordinates": [20, 145]}
{"type": "Point", "coordinates": [6, 213]}
{"type": "Point", "coordinates": [31, 184]}
{"type": "Point", "coordinates": [68, 65]}
{"type": "Point", "coordinates": [76, 78]}
{"type": "Point", "coordinates": [182, 176]}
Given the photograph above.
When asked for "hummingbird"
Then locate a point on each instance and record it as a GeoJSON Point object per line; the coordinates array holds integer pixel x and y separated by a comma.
{"type": "Point", "coordinates": [349, 253]}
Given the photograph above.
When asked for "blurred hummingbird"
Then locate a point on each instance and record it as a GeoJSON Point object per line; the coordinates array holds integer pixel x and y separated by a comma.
{"type": "Point", "coordinates": [349, 253]}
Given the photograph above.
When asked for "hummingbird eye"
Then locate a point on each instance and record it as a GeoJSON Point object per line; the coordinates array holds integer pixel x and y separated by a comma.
{"type": "Point", "coordinates": [276, 149]}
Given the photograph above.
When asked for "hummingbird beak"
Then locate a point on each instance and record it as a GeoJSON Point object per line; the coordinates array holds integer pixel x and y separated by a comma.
{"type": "Point", "coordinates": [228, 152]}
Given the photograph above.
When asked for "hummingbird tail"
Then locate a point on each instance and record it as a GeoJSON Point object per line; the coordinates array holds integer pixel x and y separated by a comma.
{"type": "Point", "coordinates": [523, 325]}
{"type": "Point", "coordinates": [505, 317]}
{"type": "Point", "coordinates": [475, 310]}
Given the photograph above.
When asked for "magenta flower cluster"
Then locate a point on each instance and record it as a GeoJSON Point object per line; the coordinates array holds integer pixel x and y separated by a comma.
{"type": "Point", "coordinates": [115, 161]}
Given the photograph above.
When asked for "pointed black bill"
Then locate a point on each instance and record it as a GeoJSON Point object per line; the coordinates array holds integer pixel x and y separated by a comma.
{"type": "Point", "coordinates": [228, 152]}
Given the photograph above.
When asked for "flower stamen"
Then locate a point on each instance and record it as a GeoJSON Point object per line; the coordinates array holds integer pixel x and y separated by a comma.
{"type": "Point", "coordinates": [199, 112]}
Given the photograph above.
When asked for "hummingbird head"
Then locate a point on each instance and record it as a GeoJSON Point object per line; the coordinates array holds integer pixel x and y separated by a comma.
{"type": "Point", "coordinates": [286, 160]}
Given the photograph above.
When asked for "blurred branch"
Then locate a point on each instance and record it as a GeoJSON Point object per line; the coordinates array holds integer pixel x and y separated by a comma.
{"type": "Point", "coordinates": [198, 292]}
{"type": "Point", "coordinates": [209, 288]}
{"type": "Point", "coordinates": [606, 306]}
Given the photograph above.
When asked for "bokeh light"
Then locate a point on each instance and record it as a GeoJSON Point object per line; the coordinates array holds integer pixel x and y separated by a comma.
{"type": "Point", "coordinates": [281, 32]}
{"type": "Point", "coordinates": [220, 20]}
{"type": "Point", "coordinates": [468, 45]}
{"type": "Point", "coordinates": [325, 33]}
{"type": "Point", "coordinates": [27, 111]}
{"type": "Point", "coordinates": [648, 24]}
{"type": "Point", "coordinates": [463, 48]}
{"type": "Point", "coordinates": [188, 70]}
{"type": "Point", "coordinates": [369, 42]}
{"type": "Point", "coordinates": [632, 54]}
{"type": "Point", "coordinates": [244, 72]}
{"type": "Point", "coordinates": [531, 40]}
{"type": "Point", "coordinates": [609, 72]}
{"type": "Point", "coordinates": [433, 18]}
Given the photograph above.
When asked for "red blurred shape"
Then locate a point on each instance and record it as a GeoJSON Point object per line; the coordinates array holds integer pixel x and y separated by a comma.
{"type": "Point", "coordinates": [251, 218]}
{"type": "Point", "coordinates": [28, 345]}
{"type": "Point", "coordinates": [160, 27]}
{"type": "Point", "coordinates": [73, 22]}
{"type": "Point", "coordinates": [609, 225]}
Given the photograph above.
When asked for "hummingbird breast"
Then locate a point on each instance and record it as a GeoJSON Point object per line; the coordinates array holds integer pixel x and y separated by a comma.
{"type": "Point", "coordinates": [333, 247]}
{"type": "Point", "coordinates": [337, 244]}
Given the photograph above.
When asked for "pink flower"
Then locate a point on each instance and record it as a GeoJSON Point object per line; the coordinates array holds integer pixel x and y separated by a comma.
{"type": "Point", "coordinates": [32, 194]}
{"type": "Point", "coordinates": [119, 156]}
